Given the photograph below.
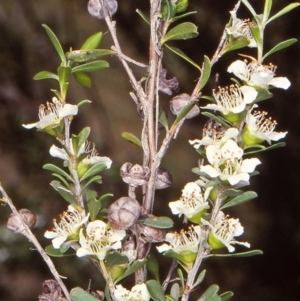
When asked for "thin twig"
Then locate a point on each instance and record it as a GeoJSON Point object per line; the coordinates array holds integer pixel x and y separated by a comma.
{"type": "Point", "coordinates": [35, 242]}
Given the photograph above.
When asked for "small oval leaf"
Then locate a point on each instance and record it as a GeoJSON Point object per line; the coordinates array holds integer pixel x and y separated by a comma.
{"type": "Point", "coordinates": [56, 169]}
{"type": "Point", "coordinates": [132, 138]}
{"type": "Point", "coordinates": [161, 222]}
{"type": "Point", "coordinates": [93, 41]}
{"type": "Point", "coordinates": [285, 10]}
{"type": "Point", "coordinates": [226, 296]}
{"type": "Point", "coordinates": [182, 31]}
{"type": "Point", "coordinates": [152, 266]}
{"type": "Point", "coordinates": [280, 46]}
{"type": "Point", "coordinates": [78, 294]}
{"type": "Point", "coordinates": [55, 42]}
{"type": "Point", "coordinates": [45, 75]}
{"type": "Point", "coordinates": [209, 293]}
{"type": "Point", "coordinates": [183, 56]}
{"type": "Point", "coordinates": [155, 290]}
{"type": "Point", "coordinates": [245, 197]}
{"type": "Point", "coordinates": [91, 67]}
{"type": "Point", "coordinates": [83, 79]}
{"type": "Point", "coordinates": [95, 169]}
{"type": "Point", "coordinates": [58, 253]}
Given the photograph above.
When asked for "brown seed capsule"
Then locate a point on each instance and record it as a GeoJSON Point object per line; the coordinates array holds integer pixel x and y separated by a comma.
{"type": "Point", "coordinates": [167, 86]}
{"type": "Point", "coordinates": [178, 102]}
{"type": "Point", "coordinates": [14, 224]}
{"type": "Point", "coordinates": [124, 213]}
{"type": "Point", "coordinates": [134, 175]}
{"type": "Point", "coordinates": [164, 179]}
{"type": "Point", "coordinates": [151, 234]}
{"type": "Point", "coordinates": [95, 8]}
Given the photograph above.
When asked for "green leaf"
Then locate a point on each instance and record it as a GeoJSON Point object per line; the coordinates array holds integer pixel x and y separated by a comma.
{"type": "Point", "coordinates": [280, 46]}
{"type": "Point", "coordinates": [92, 42]}
{"type": "Point", "coordinates": [206, 70]}
{"type": "Point", "coordinates": [95, 179]}
{"type": "Point", "coordinates": [83, 79]}
{"type": "Point", "coordinates": [168, 10]}
{"type": "Point", "coordinates": [245, 197]}
{"type": "Point", "coordinates": [199, 279]}
{"type": "Point", "coordinates": [235, 43]}
{"type": "Point", "coordinates": [183, 56]}
{"type": "Point", "coordinates": [45, 75]}
{"type": "Point", "coordinates": [176, 18]}
{"type": "Point", "coordinates": [285, 10]}
{"type": "Point", "coordinates": [267, 10]}
{"type": "Point", "coordinates": [244, 254]}
{"type": "Point", "coordinates": [62, 179]}
{"type": "Point", "coordinates": [115, 258]}
{"type": "Point", "coordinates": [181, 277]}
{"type": "Point", "coordinates": [155, 290]}
{"type": "Point", "coordinates": [94, 207]}
{"type": "Point", "coordinates": [152, 266]}
{"type": "Point", "coordinates": [142, 16]}
{"type": "Point", "coordinates": [58, 253]}
{"type": "Point", "coordinates": [161, 222]}
{"type": "Point", "coordinates": [232, 192]}
{"type": "Point", "coordinates": [55, 42]}
{"type": "Point", "coordinates": [175, 291]}
{"type": "Point", "coordinates": [83, 102]}
{"type": "Point", "coordinates": [63, 75]}
{"type": "Point", "coordinates": [209, 293]}
{"type": "Point", "coordinates": [56, 169]}
{"type": "Point", "coordinates": [182, 31]}
{"type": "Point", "coordinates": [132, 268]}
{"type": "Point", "coordinates": [262, 148]}
{"type": "Point", "coordinates": [257, 36]}
{"type": "Point", "coordinates": [217, 118]}
{"type": "Point", "coordinates": [163, 119]}
{"type": "Point", "coordinates": [91, 67]}
{"type": "Point", "coordinates": [132, 138]}
{"type": "Point", "coordinates": [226, 296]}
{"type": "Point", "coordinates": [81, 56]}
{"type": "Point", "coordinates": [185, 110]}
{"type": "Point", "coordinates": [95, 169]}
{"type": "Point", "coordinates": [263, 94]}
{"type": "Point", "coordinates": [78, 294]}
{"type": "Point", "coordinates": [65, 193]}
{"type": "Point", "coordinates": [174, 255]}
{"type": "Point", "coordinates": [82, 137]}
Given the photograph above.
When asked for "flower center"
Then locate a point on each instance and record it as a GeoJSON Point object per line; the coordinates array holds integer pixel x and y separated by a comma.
{"type": "Point", "coordinates": [264, 125]}
{"type": "Point", "coordinates": [229, 97]}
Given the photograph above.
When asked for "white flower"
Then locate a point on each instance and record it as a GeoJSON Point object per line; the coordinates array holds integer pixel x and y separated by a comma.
{"type": "Point", "coordinates": [91, 159]}
{"type": "Point", "coordinates": [226, 163]}
{"type": "Point", "coordinates": [52, 114]}
{"type": "Point", "coordinates": [230, 133]}
{"type": "Point", "coordinates": [185, 241]}
{"type": "Point", "coordinates": [191, 202]}
{"type": "Point", "coordinates": [138, 293]}
{"type": "Point", "coordinates": [240, 28]}
{"type": "Point", "coordinates": [223, 232]}
{"type": "Point", "coordinates": [261, 128]}
{"type": "Point", "coordinates": [70, 223]}
{"type": "Point", "coordinates": [258, 75]}
{"type": "Point", "coordinates": [233, 99]}
{"type": "Point", "coordinates": [98, 240]}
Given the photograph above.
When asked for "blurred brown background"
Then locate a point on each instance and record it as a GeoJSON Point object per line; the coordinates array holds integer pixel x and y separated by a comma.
{"type": "Point", "coordinates": [271, 221]}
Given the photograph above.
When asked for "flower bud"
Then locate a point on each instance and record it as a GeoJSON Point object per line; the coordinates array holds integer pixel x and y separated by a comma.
{"type": "Point", "coordinates": [134, 175]}
{"type": "Point", "coordinates": [14, 224]}
{"type": "Point", "coordinates": [95, 8]}
{"type": "Point", "coordinates": [123, 213]}
{"type": "Point", "coordinates": [178, 102]}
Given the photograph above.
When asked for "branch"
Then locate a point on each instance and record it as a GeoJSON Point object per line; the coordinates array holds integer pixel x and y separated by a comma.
{"type": "Point", "coordinates": [27, 232]}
